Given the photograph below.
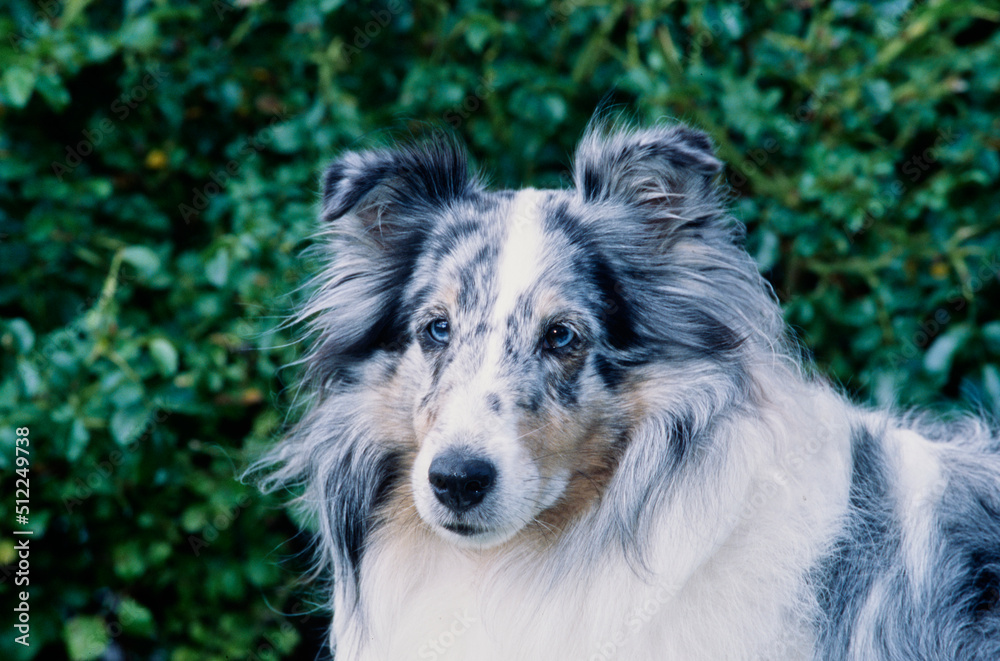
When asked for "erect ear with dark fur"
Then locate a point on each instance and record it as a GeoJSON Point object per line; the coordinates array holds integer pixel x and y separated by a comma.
{"type": "Point", "coordinates": [375, 186]}
{"type": "Point", "coordinates": [666, 170]}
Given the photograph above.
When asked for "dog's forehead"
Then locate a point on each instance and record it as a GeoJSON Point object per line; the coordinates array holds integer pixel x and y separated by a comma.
{"type": "Point", "coordinates": [500, 251]}
{"type": "Point", "coordinates": [492, 218]}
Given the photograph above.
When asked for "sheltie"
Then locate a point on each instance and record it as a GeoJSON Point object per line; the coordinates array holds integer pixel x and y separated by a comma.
{"type": "Point", "coordinates": [571, 425]}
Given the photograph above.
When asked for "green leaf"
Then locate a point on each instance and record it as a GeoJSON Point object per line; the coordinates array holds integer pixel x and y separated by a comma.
{"type": "Point", "coordinates": [99, 48]}
{"type": "Point", "coordinates": [879, 95]}
{"type": "Point", "coordinates": [50, 86]}
{"type": "Point", "coordinates": [767, 251]}
{"type": "Point", "coordinates": [143, 259]}
{"type": "Point", "coordinates": [991, 333]}
{"type": "Point", "coordinates": [164, 355]}
{"type": "Point", "coordinates": [72, 9]}
{"type": "Point", "coordinates": [991, 383]}
{"type": "Point", "coordinates": [30, 378]}
{"type": "Point", "coordinates": [128, 423]}
{"type": "Point", "coordinates": [129, 562]}
{"type": "Point", "coordinates": [941, 353]}
{"type": "Point", "coordinates": [18, 83]}
{"type": "Point", "coordinates": [217, 268]}
{"type": "Point", "coordinates": [79, 437]}
{"type": "Point", "coordinates": [135, 619]}
{"type": "Point", "coordinates": [86, 637]}
{"type": "Point", "coordinates": [140, 34]}
{"type": "Point", "coordinates": [22, 333]}
{"type": "Point", "coordinates": [476, 35]}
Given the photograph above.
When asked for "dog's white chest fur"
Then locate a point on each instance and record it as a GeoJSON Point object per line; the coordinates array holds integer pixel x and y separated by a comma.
{"type": "Point", "coordinates": [447, 608]}
{"type": "Point", "coordinates": [423, 598]}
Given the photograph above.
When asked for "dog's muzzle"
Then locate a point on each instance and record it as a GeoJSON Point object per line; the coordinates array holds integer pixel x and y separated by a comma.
{"type": "Point", "coordinates": [460, 480]}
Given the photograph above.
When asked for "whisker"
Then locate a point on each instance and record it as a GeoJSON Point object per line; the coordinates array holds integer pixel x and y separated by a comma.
{"type": "Point", "coordinates": [538, 429]}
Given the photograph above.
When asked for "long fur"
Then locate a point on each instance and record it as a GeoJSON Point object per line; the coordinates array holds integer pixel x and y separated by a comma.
{"type": "Point", "coordinates": [673, 484]}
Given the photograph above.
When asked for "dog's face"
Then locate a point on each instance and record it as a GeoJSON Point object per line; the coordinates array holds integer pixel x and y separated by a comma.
{"type": "Point", "coordinates": [502, 337]}
{"type": "Point", "coordinates": [510, 324]}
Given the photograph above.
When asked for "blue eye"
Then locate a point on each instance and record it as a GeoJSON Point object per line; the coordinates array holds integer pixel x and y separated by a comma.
{"type": "Point", "coordinates": [558, 336]}
{"type": "Point", "coordinates": [439, 331]}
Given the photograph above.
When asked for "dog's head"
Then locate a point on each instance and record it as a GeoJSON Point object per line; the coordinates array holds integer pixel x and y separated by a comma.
{"type": "Point", "coordinates": [502, 340]}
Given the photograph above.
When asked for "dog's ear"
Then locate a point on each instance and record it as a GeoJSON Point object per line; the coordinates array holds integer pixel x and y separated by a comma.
{"type": "Point", "coordinates": [668, 171]}
{"type": "Point", "coordinates": [379, 206]}
{"type": "Point", "coordinates": [385, 191]}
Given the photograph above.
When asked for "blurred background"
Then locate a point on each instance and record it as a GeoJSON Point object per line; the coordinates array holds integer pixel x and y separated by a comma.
{"type": "Point", "coordinates": [159, 169]}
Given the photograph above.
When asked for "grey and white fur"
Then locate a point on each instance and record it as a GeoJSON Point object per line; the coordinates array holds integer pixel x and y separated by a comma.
{"type": "Point", "coordinates": [570, 424]}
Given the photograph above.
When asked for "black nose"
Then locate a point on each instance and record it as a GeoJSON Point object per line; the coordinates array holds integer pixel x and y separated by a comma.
{"type": "Point", "coordinates": [461, 481]}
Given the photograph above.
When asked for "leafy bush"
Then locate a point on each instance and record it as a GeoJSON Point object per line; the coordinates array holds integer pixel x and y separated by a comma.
{"type": "Point", "coordinates": [159, 176]}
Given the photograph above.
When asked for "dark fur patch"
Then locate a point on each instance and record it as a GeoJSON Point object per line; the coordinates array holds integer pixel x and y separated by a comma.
{"type": "Point", "coordinates": [565, 382]}
{"type": "Point", "coordinates": [868, 549]}
{"type": "Point", "coordinates": [453, 235]}
{"type": "Point", "coordinates": [612, 308]}
{"type": "Point", "coordinates": [972, 542]}
{"type": "Point", "coordinates": [611, 373]}
{"type": "Point", "coordinates": [355, 489]}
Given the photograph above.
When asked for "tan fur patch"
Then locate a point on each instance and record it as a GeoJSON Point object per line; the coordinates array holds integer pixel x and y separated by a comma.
{"type": "Point", "coordinates": [591, 452]}
{"type": "Point", "coordinates": [591, 463]}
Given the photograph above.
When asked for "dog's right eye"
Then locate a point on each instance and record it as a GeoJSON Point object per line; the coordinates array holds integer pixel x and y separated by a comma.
{"type": "Point", "coordinates": [558, 336]}
{"type": "Point", "coordinates": [439, 330]}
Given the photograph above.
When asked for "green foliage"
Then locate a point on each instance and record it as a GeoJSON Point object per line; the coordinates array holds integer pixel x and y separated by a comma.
{"type": "Point", "coordinates": [158, 176]}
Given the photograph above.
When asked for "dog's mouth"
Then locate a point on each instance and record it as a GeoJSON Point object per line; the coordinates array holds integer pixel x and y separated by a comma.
{"type": "Point", "coordinates": [464, 529]}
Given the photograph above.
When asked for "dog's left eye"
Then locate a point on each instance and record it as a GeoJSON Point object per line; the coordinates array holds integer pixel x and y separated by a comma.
{"type": "Point", "coordinates": [439, 330]}
{"type": "Point", "coordinates": [558, 336]}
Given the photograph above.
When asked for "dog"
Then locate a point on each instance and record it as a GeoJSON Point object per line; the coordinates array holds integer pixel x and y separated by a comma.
{"type": "Point", "coordinates": [572, 425]}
